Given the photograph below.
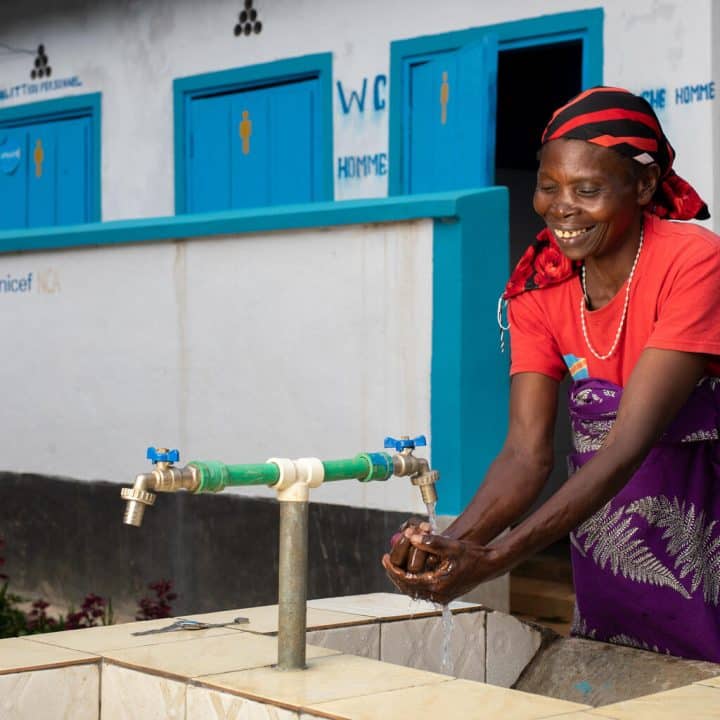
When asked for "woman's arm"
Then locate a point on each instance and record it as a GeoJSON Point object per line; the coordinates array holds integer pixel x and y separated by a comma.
{"type": "Point", "coordinates": [513, 481]}
{"type": "Point", "coordinates": [521, 469]}
{"type": "Point", "coordinates": [658, 387]}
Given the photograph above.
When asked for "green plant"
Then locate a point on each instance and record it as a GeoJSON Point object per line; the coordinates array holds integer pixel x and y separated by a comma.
{"type": "Point", "coordinates": [12, 620]}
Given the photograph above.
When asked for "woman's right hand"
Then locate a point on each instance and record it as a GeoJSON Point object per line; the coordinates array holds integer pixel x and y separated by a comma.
{"type": "Point", "coordinates": [458, 566]}
{"type": "Point", "coordinates": [403, 554]}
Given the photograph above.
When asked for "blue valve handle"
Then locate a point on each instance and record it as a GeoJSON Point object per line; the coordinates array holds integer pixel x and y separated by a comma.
{"type": "Point", "coordinates": [400, 445]}
{"type": "Point", "coordinates": [155, 457]}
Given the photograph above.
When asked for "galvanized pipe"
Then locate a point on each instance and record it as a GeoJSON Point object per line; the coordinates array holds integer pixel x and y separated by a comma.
{"type": "Point", "coordinates": [292, 585]}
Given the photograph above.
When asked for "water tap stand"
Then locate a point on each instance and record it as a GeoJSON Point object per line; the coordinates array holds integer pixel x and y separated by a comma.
{"type": "Point", "coordinates": [292, 479]}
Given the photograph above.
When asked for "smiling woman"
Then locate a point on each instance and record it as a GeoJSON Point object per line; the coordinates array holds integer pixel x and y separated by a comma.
{"type": "Point", "coordinates": [627, 302]}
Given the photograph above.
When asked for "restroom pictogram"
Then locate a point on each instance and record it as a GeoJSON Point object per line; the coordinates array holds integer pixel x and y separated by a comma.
{"type": "Point", "coordinates": [245, 131]}
{"type": "Point", "coordinates": [38, 158]}
{"type": "Point", "coordinates": [444, 97]}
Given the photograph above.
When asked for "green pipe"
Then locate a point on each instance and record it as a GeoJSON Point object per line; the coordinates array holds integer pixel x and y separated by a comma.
{"type": "Point", "coordinates": [363, 467]}
{"type": "Point", "coordinates": [214, 476]}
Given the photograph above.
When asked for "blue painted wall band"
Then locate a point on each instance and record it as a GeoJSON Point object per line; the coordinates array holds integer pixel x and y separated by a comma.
{"type": "Point", "coordinates": [238, 222]}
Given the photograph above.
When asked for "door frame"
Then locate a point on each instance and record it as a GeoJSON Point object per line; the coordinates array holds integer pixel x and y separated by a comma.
{"type": "Point", "coordinates": [307, 67]}
{"type": "Point", "coordinates": [585, 25]}
{"type": "Point", "coordinates": [68, 108]}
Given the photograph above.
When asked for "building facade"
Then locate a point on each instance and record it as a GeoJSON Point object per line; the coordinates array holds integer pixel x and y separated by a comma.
{"type": "Point", "coordinates": [250, 229]}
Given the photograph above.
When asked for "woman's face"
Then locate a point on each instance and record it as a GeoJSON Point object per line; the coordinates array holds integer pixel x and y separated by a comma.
{"type": "Point", "coordinates": [589, 197]}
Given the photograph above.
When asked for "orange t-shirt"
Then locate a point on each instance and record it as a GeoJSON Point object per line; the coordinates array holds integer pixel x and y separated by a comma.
{"type": "Point", "coordinates": [674, 305]}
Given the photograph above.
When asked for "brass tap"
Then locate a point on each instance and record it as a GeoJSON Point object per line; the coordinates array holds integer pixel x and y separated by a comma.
{"type": "Point", "coordinates": [426, 483]}
{"type": "Point", "coordinates": [165, 477]}
{"type": "Point", "coordinates": [418, 469]}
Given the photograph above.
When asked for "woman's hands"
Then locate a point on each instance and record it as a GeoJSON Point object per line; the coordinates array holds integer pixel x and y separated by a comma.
{"type": "Point", "coordinates": [435, 567]}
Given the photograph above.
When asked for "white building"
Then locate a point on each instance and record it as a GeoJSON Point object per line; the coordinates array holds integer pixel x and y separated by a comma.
{"type": "Point", "coordinates": [180, 265]}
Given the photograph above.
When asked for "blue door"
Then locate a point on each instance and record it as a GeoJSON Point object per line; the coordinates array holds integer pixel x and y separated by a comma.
{"type": "Point", "coordinates": [72, 171]}
{"type": "Point", "coordinates": [44, 174]}
{"type": "Point", "coordinates": [450, 119]}
{"type": "Point", "coordinates": [294, 167]}
{"type": "Point", "coordinates": [254, 147]}
{"type": "Point", "coordinates": [13, 178]}
{"type": "Point", "coordinates": [250, 156]}
{"type": "Point", "coordinates": [209, 153]}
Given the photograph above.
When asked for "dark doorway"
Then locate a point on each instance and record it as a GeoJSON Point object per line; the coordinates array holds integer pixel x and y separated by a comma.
{"type": "Point", "coordinates": [532, 82]}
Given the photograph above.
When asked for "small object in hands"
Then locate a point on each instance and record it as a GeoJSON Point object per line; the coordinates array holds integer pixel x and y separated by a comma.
{"type": "Point", "coordinates": [399, 552]}
{"type": "Point", "coordinates": [416, 560]}
{"type": "Point", "coordinates": [400, 544]}
{"type": "Point", "coordinates": [185, 624]}
{"type": "Point", "coordinates": [404, 555]}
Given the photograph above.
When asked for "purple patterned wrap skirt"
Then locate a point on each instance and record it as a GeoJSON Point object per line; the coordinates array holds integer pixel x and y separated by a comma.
{"type": "Point", "coordinates": [646, 566]}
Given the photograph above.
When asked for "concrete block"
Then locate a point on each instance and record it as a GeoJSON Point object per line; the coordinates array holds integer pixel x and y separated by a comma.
{"type": "Point", "coordinates": [511, 645]}
{"type": "Point", "coordinates": [67, 692]}
{"type": "Point", "coordinates": [420, 644]}
{"type": "Point", "coordinates": [363, 640]}
{"type": "Point", "coordinates": [206, 704]}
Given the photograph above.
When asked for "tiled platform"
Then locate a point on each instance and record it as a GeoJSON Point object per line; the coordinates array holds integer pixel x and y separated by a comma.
{"type": "Point", "coordinates": [362, 671]}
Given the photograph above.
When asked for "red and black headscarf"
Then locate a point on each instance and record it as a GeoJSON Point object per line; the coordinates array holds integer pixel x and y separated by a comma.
{"type": "Point", "coordinates": [612, 118]}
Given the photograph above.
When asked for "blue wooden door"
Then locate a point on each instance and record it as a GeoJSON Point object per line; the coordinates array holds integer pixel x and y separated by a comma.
{"type": "Point", "coordinates": [44, 174]}
{"type": "Point", "coordinates": [72, 171]}
{"type": "Point", "coordinates": [58, 172]}
{"type": "Point", "coordinates": [209, 154]}
{"type": "Point", "coordinates": [250, 177]}
{"type": "Point", "coordinates": [296, 179]}
{"type": "Point", "coordinates": [13, 178]}
{"type": "Point", "coordinates": [450, 119]}
{"type": "Point", "coordinates": [254, 147]}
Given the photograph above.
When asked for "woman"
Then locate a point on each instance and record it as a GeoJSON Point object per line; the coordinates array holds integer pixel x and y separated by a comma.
{"type": "Point", "coordinates": [629, 304]}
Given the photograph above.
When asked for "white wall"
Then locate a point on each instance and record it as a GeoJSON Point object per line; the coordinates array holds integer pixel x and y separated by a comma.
{"type": "Point", "coordinates": [132, 50]}
{"type": "Point", "coordinates": [236, 349]}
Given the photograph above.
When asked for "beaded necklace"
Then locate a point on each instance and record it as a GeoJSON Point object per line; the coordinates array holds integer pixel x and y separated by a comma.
{"type": "Point", "coordinates": [584, 299]}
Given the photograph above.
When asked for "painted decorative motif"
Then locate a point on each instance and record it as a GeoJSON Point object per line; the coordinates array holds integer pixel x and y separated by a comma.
{"type": "Point", "coordinates": [692, 542]}
{"type": "Point", "coordinates": [248, 21]}
{"type": "Point", "coordinates": [609, 534]}
{"type": "Point", "coordinates": [41, 67]}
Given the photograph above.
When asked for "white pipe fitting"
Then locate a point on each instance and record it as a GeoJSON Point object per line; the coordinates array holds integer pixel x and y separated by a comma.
{"type": "Point", "coordinates": [297, 477]}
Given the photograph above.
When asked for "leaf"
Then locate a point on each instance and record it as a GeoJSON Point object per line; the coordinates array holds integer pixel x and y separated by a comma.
{"type": "Point", "coordinates": [610, 536]}
{"type": "Point", "coordinates": [689, 539]}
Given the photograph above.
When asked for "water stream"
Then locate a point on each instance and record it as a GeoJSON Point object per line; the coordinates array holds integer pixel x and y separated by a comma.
{"type": "Point", "coordinates": [432, 517]}
{"type": "Point", "coordinates": [446, 664]}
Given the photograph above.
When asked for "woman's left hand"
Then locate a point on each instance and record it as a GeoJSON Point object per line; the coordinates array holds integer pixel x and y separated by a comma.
{"type": "Point", "coordinates": [457, 567]}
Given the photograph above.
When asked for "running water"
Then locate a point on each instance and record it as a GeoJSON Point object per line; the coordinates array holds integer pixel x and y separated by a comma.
{"type": "Point", "coordinates": [432, 517]}
{"type": "Point", "coordinates": [446, 663]}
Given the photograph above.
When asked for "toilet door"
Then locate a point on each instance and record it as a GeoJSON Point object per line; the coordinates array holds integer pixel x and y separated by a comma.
{"type": "Point", "coordinates": [255, 147]}
{"type": "Point", "coordinates": [13, 178]}
{"type": "Point", "coordinates": [450, 118]}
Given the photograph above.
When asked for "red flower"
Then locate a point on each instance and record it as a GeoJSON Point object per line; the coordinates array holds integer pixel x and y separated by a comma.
{"type": "Point", "coordinates": [551, 266]}
{"type": "Point", "coordinates": [542, 264]}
